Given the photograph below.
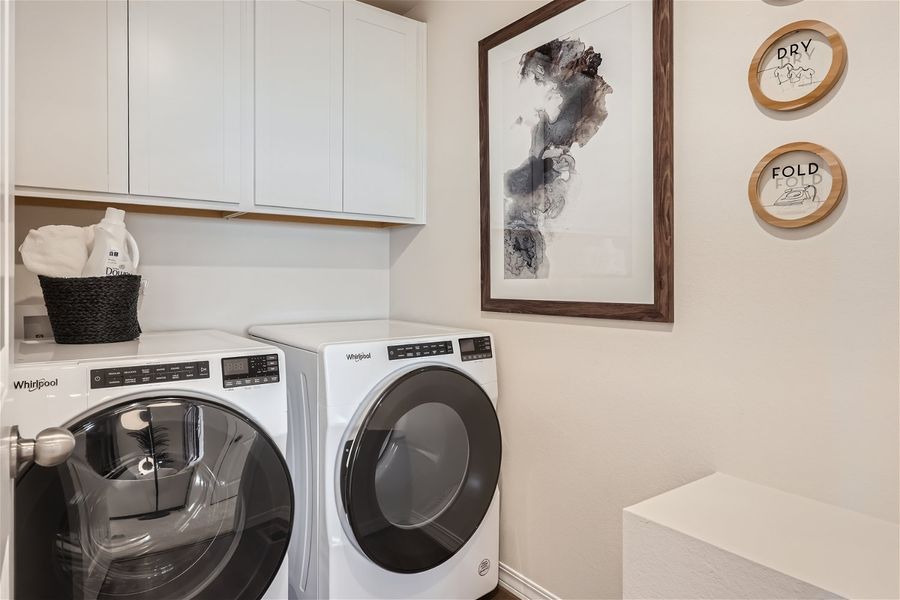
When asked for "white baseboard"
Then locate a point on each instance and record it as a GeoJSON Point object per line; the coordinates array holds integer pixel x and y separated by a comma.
{"type": "Point", "coordinates": [522, 587]}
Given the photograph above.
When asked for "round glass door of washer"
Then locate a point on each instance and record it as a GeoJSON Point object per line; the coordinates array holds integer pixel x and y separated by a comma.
{"type": "Point", "coordinates": [170, 497]}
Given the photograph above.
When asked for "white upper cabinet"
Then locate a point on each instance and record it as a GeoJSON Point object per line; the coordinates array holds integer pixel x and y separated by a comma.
{"type": "Point", "coordinates": [188, 89]}
{"type": "Point", "coordinates": [383, 113]}
{"type": "Point", "coordinates": [298, 107]}
{"type": "Point", "coordinates": [298, 104]}
{"type": "Point", "coordinates": [72, 95]}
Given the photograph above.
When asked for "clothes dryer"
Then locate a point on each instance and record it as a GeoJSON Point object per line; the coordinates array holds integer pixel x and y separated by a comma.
{"type": "Point", "coordinates": [395, 449]}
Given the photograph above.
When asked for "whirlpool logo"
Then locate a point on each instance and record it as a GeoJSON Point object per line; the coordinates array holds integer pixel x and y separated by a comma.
{"type": "Point", "coordinates": [483, 567]}
{"type": "Point", "coordinates": [33, 385]}
{"type": "Point", "coordinates": [358, 356]}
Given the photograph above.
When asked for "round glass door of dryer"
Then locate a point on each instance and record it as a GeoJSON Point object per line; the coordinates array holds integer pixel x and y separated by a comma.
{"type": "Point", "coordinates": [422, 469]}
{"type": "Point", "coordinates": [169, 497]}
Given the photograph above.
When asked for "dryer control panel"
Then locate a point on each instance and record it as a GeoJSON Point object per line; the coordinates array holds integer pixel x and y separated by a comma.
{"type": "Point", "coordinates": [476, 348]}
{"type": "Point", "coordinates": [144, 374]}
{"type": "Point", "coordinates": [239, 371]}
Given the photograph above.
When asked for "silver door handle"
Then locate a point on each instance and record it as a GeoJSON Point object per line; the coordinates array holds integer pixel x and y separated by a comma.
{"type": "Point", "coordinates": [52, 446]}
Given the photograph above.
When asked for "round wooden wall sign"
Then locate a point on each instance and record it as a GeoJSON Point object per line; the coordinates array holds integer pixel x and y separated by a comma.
{"type": "Point", "coordinates": [797, 65]}
{"type": "Point", "coordinates": [797, 184]}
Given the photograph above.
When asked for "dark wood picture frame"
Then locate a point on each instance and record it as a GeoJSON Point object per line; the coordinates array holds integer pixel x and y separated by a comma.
{"type": "Point", "coordinates": [662, 309]}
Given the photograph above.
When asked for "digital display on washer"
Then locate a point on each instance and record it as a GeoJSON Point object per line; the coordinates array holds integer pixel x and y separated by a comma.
{"type": "Point", "coordinates": [467, 345]}
{"type": "Point", "coordinates": [235, 366]}
{"type": "Point", "coordinates": [238, 371]}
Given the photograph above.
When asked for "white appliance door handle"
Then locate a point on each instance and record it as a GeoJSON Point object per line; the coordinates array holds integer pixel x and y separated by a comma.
{"type": "Point", "coordinates": [306, 554]}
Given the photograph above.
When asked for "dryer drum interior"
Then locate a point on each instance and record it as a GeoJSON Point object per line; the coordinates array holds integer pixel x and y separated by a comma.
{"type": "Point", "coordinates": [422, 470]}
{"type": "Point", "coordinates": [169, 497]}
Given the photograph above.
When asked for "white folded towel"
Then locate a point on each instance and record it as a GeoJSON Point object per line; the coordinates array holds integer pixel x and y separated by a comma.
{"type": "Point", "coordinates": [56, 250]}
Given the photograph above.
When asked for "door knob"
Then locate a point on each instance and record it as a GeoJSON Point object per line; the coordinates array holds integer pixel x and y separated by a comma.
{"type": "Point", "coordinates": [51, 447]}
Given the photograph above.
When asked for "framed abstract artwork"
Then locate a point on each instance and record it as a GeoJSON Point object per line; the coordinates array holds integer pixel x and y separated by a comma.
{"type": "Point", "coordinates": [575, 105]}
{"type": "Point", "coordinates": [797, 65]}
{"type": "Point", "coordinates": [797, 184]}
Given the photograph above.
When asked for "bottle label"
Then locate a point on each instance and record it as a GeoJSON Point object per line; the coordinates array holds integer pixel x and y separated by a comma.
{"type": "Point", "coordinates": [115, 265]}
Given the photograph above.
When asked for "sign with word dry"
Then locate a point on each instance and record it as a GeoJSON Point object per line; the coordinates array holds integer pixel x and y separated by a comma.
{"type": "Point", "coordinates": [797, 65]}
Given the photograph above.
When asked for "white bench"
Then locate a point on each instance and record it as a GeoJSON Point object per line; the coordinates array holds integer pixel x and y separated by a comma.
{"type": "Point", "coordinates": [722, 537]}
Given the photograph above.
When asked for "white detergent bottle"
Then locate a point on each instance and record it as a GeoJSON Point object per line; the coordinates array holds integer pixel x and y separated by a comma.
{"type": "Point", "coordinates": [114, 251]}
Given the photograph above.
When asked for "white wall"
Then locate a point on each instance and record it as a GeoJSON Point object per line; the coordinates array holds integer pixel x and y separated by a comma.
{"type": "Point", "coordinates": [781, 366]}
{"type": "Point", "coordinates": [211, 273]}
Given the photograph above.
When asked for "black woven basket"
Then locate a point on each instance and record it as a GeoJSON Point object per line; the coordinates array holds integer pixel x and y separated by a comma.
{"type": "Point", "coordinates": [92, 310]}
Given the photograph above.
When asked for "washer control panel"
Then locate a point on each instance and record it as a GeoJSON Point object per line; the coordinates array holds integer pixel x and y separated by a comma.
{"type": "Point", "coordinates": [420, 350]}
{"type": "Point", "coordinates": [144, 374]}
{"type": "Point", "coordinates": [257, 369]}
{"type": "Point", "coordinates": [477, 348]}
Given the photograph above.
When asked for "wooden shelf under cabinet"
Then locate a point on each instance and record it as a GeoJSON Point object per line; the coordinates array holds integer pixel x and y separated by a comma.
{"type": "Point", "coordinates": [195, 212]}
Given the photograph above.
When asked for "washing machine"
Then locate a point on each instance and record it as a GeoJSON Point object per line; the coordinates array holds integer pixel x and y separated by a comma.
{"type": "Point", "coordinates": [151, 469]}
{"type": "Point", "coordinates": [395, 448]}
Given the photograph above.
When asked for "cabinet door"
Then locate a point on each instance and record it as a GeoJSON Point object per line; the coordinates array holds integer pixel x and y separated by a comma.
{"type": "Point", "coordinates": [186, 96]}
{"type": "Point", "coordinates": [381, 112]}
{"type": "Point", "coordinates": [298, 73]}
{"type": "Point", "coordinates": [72, 95]}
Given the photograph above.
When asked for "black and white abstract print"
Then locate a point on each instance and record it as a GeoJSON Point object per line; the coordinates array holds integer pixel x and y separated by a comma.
{"type": "Point", "coordinates": [538, 189]}
{"type": "Point", "coordinates": [570, 138]}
